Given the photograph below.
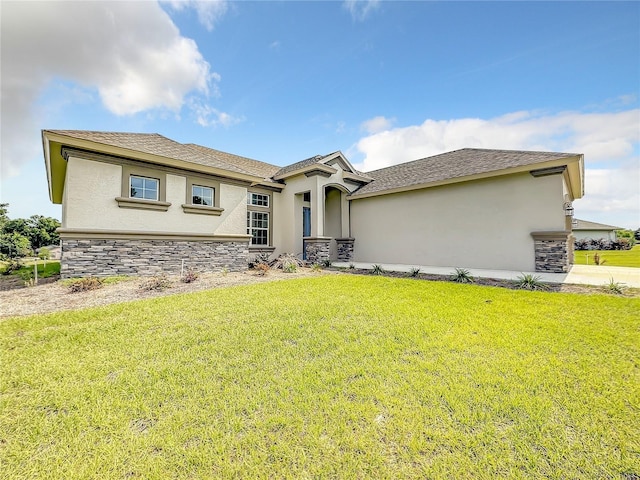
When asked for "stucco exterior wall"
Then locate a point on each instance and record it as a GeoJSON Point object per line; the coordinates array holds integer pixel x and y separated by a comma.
{"type": "Point", "coordinates": [287, 228]}
{"type": "Point", "coordinates": [91, 189]}
{"type": "Point", "coordinates": [478, 224]}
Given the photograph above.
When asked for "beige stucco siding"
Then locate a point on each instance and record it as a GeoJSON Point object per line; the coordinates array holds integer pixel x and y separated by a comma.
{"type": "Point", "coordinates": [477, 224]}
{"type": "Point", "coordinates": [92, 187]}
{"type": "Point", "coordinates": [287, 218]}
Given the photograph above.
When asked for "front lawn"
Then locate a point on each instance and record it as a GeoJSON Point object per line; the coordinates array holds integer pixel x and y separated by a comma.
{"type": "Point", "coordinates": [46, 268]}
{"type": "Point", "coordinates": [330, 377]}
{"type": "Point", "coordinates": [613, 258]}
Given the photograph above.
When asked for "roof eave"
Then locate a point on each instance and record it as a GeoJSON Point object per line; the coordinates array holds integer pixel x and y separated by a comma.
{"type": "Point", "coordinates": [305, 169]}
{"type": "Point", "coordinates": [56, 138]}
{"type": "Point", "coordinates": [575, 166]}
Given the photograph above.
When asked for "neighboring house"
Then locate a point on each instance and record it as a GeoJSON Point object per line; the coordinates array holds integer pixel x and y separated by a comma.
{"type": "Point", "coordinates": [584, 230]}
{"type": "Point", "coordinates": [142, 203]}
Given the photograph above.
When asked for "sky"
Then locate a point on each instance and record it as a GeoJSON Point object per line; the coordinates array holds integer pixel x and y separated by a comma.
{"type": "Point", "coordinates": [383, 81]}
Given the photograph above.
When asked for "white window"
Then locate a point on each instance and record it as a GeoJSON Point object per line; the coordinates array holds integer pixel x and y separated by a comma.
{"type": "Point", "coordinates": [143, 187]}
{"type": "Point", "coordinates": [258, 199]}
{"type": "Point", "coordinates": [258, 227]}
{"type": "Point", "coordinates": [202, 195]}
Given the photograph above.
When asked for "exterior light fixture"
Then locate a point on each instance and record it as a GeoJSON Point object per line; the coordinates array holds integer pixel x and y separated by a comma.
{"type": "Point", "coordinates": [568, 209]}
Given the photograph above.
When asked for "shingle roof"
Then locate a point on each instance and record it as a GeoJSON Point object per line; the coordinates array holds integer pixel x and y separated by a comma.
{"type": "Point", "coordinates": [586, 225]}
{"type": "Point", "coordinates": [302, 164]}
{"type": "Point", "coordinates": [255, 167]}
{"type": "Point", "coordinates": [451, 165]}
{"type": "Point", "coordinates": [155, 144]}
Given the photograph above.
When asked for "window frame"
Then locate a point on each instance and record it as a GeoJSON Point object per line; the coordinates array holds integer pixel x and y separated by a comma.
{"type": "Point", "coordinates": [190, 207]}
{"type": "Point", "coordinates": [144, 180]}
{"type": "Point", "coordinates": [251, 228]}
{"type": "Point", "coordinates": [203, 187]}
{"type": "Point", "coordinates": [125, 200]}
{"type": "Point", "coordinates": [252, 195]}
{"type": "Point", "coordinates": [266, 209]}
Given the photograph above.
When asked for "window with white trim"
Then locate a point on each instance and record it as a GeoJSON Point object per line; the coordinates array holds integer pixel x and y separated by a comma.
{"type": "Point", "coordinates": [202, 195]}
{"type": "Point", "coordinates": [258, 199]}
{"type": "Point", "coordinates": [258, 227]}
{"type": "Point", "coordinates": [144, 187]}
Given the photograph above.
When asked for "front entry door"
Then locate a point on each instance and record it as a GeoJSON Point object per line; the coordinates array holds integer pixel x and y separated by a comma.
{"type": "Point", "coordinates": [306, 228]}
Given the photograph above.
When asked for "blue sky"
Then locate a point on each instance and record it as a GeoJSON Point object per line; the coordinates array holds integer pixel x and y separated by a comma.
{"type": "Point", "coordinates": [385, 82]}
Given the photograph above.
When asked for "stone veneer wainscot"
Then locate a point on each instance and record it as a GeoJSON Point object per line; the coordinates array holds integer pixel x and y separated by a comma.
{"type": "Point", "coordinates": [105, 257]}
{"type": "Point", "coordinates": [553, 251]}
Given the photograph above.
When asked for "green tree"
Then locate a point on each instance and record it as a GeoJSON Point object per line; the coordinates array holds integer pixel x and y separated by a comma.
{"type": "Point", "coordinates": [42, 231]}
{"type": "Point", "coordinates": [18, 237]}
{"type": "Point", "coordinates": [14, 244]}
{"type": "Point", "coordinates": [628, 234]}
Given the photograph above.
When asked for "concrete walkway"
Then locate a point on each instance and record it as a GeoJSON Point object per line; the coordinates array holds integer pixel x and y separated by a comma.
{"type": "Point", "coordinates": [579, 274]}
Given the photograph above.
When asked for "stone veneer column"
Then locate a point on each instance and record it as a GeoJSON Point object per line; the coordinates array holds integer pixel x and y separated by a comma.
{"type": "Point", "coordinates": [345, 249]}
{"type": "Point", "coordinates": [553, 251]}
{"type": "Point", "coordinates": [107, 257]}
{"type": "Point", "coordinates": [316, 249]}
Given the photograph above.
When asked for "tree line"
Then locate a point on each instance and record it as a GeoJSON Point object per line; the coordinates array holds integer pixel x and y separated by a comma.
{"type": "Point", "coordinates": [21, 237]}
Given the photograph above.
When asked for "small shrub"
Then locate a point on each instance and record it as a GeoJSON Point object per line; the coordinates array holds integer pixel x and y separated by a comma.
{"type": "Point", "coordinates": [414, 271]}
{"type": "Point", "coordinates": [352, 266]}
{"type": "Point", "coordinates": [12, 266]}
{"type": "Point", "coordinates": [156, 283]}
{"type": "Point", "coordinates": [85, 284]}
{"type": "Point", "coordinates": [28, 278]}
{"type": "Point", "coordinates": [527, 281]}
{"type": "Point", "coordinates": [262, 269]}
{"type": "Point", "coordinates": [598, 260]}
{"type": "Point", "coordinates": [614, 287]}
{"type": "Point", "coordinates": [189, 276]}
{"type": "Point", "coordinates": [285, 261]}
{"type": "Point", "coordinates": [224, 271]}
{"type": "Point", "coordinates": [377, 269]}
{"type": "Point", "coordinates": [326, 263]}
{"type": "Point", "coordinates": [316, 268]}
{"type": "Point", "coordinates": [258, 259]}
{"type": "Point", "coordinates": [289, 268]}
{"type": "Point", "coordinates": [44, 253]}
{"type": "Point", "coordinates": [462, 275]}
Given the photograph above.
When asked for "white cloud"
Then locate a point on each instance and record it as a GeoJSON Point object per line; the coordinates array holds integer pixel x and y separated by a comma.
{"type": "Point", "coordinates": [600, 136]}
{"type": "Point", "coordinates": [612, 196]}
{"type": "Point", "coordinates": [377, 124]}
{"type": "Point", "coordinates": [360, 9]}
{"type": "Point", "coordinates": [130, 53]}
{"type": "Point", "coordinates": [609, 141]}
{"type": "Point", "coordinates": [208, 116]}
{"type": "Point", "coordinates": [209, 11]}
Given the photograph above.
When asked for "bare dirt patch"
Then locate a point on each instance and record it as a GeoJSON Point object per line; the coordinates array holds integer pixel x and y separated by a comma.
{"type": "Point", "coordinates": [56, 296]}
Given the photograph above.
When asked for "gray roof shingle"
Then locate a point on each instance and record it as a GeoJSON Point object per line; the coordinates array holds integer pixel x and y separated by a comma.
{"type": "Point", "coordinates": [586, 225]}
{"type": "Point", "coordinates": [451, 165]}
{"type": "Point", "coordinates": [302, 164]}
{"type": "Point", "coordinates": [155, 144]}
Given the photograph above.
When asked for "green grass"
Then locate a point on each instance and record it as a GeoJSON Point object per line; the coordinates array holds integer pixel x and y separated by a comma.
{"type": "Point", "coordinates": [45, 269]}
{"type": "Point", "coordinates": [614, 258]}
{"type": "Point", "coordinates": [329, 377]}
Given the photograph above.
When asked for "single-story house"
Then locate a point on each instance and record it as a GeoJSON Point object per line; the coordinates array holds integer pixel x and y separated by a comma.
{"type": "Point", "coordinates": [585, 230]}
{"type": "Point", "coordinates": [137, 203]}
